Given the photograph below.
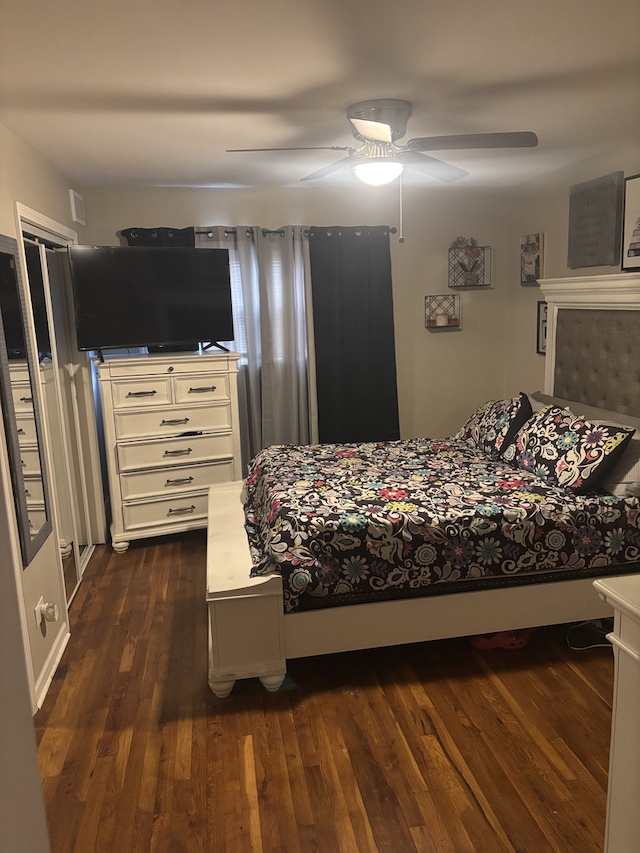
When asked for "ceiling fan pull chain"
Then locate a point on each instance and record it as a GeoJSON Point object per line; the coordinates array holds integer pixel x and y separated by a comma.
{"type": "Point", "coordinates": [401, 235]}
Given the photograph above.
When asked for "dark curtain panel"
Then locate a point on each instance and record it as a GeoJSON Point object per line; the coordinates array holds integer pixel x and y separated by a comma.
{"type": "Point", "coordinates": [159, 237]}
{"type": "Point", "coordinates": [353, 330]}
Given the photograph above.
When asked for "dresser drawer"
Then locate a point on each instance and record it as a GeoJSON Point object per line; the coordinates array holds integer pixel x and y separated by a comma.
{"type": "Point", "coordinates": [170, 480]}
{"type": "Point", "coordinates": [157, 365]}
{"type": "Point", "coordinates": [172, 421]}
{"type": "Point", "coordinates": [176, 510]}
{"type": "Point", "coordinates": [130, 393]}
{"type": "Point", "coordinates": [19, 372]}
{"type": "Point", "coordinates": [201, 389]}
{"type": "Point", "coordinates": [132, 456]}
{"type": "Point", "coordinates": [22, 397]}
{"type": "Point", "coordinates": [26, 429]}
{"type": "Point", "coordinates": [30, 458]}
{"type": "Point", "coordinates": [34, 490]}
{"type": "Point", "coordinates": [37, 517]}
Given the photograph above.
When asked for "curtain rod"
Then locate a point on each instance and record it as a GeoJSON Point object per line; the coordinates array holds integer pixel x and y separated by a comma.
{"type": "Point", "coordinates": [228, 231]}
{"type": "Point", "coordinates": [280, 231]}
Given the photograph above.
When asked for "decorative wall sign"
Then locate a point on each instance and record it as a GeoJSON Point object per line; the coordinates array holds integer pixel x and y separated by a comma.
{"type": "Point", "coordinates": [631, 230]}
{"type": "Point", "coordinates": [531, 248]}
{"type": "Point", "coordinates": [541, 337]}
{"type": "Point", "coordinates": [595, 217]}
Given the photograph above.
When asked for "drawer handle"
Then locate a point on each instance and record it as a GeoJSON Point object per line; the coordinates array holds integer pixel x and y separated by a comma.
{"type": "Point", "coordinates": [178, 452]}
{"type": "Point", "coordinates": [183, 510]}
{"type": "Point", "coordinates": [27, 493]}
{"type": "Point", "coordinates": [141, 393]}
{"type": "Point", "coordinates": [21, 431]}
{"type": "Point", "coordinates": [179, 481]}
{"type": "Point", "coordinates": [203, 390]}
{"type": "Point", "coordinates": [174, 422]}
{"type": "Point", "coordinates": [26, 399]}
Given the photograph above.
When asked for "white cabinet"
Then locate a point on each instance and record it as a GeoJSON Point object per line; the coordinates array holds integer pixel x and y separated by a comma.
{"type": "Point", "coordinates": [171, 430]}
{"type": "Point", "coordinates": [623, 816]}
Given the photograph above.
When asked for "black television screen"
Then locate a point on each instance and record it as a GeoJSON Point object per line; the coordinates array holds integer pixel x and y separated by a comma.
{"type": "Point", "coordinates": [134, 296]}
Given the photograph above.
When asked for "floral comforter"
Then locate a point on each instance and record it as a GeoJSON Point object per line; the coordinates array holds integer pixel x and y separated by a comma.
{"type": "Point", "coordinates": [345, 524]}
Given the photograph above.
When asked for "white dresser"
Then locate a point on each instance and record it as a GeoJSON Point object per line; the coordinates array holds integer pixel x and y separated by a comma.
{"type": "Point", "coordinates": [623, 800]}
{"type": "Point", "coordinates": [171, 430]}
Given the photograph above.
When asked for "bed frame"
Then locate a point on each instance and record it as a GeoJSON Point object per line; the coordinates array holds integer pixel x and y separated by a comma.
{"type": "Point", "coordinates": [251, 636]}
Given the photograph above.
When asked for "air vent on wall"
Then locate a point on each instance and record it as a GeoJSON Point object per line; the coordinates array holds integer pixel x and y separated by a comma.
{"type": "Point", "coordinates": [77, 207]}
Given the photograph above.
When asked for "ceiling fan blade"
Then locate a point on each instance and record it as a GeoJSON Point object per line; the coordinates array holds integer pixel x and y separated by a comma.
{"type": "Point", "coordinates": [373, 131]}
{"type": "Point", "coordinates": [517, 139]}
{"type": "Point", "coordinates": [296, 148]}
{"type": "Point", "coordinates": [332, 167]}
{"type": "Point", "coordinates": [436, 168]}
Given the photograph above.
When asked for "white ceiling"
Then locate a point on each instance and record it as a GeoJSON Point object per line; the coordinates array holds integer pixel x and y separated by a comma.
{"type": "Point", "coordinates": [152, 92]}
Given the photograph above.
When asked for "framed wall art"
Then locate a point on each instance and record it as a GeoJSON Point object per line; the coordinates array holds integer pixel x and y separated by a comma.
{"type": "Point", "coordinates": [541, 337]}
{"type": "Point", "coordinates": [531, 257]}
{"type": "Point", "coordinates": [631, 227]}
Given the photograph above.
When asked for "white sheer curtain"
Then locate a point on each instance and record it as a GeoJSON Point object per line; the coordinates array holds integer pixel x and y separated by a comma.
{"type": "Point", "coordinates": [273, 332]}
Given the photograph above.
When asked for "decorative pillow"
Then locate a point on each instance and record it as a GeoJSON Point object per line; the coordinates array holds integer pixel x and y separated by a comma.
{"type": "Point", "coordinates": [624, 479]}
{"type": "Point", "coordinates": [501, 422]}
{"type": "Point", "coordinates": [470, 430]}
{"type": "Point", "coordinates": [566, 450]}
{"type": "Point", "coordinates": [539, 400]}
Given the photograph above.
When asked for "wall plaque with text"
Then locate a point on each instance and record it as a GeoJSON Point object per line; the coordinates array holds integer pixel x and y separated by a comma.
{"type": "Point", "coordinates": [595, 217]}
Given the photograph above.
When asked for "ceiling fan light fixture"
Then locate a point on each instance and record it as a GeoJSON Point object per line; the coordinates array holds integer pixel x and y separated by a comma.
{"type": "Point", "coordinates": [378, 171]}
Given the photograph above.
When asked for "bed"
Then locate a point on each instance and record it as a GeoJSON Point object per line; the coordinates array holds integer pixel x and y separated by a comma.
{"type": "Point", "coordinates": [332, 548]}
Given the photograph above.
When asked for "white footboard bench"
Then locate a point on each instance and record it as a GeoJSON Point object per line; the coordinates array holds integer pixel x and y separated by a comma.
{"type": "Point", "coordinates": [246, 630]}
{"type": "Point", "coordinates": [251, 636]}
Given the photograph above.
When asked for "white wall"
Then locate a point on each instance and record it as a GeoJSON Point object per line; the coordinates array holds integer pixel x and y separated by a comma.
{"type": "Point", "coordinates": [27, 177]}
{"type": "Point", "coordinates": [439, 376]}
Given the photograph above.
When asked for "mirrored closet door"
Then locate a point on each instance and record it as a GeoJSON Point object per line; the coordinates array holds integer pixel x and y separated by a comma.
{"type": "Point", "coordinates": [60, 374]}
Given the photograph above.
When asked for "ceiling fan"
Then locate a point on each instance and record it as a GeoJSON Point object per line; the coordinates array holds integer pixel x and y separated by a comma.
{"type": "Point", "coordinates": [377, 159]}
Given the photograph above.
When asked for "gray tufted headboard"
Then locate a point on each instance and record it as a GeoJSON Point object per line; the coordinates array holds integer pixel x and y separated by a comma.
{"type": "Point", "coordinates": [593, 341]}
{"type": "Point", "coordinates": [597, 358]}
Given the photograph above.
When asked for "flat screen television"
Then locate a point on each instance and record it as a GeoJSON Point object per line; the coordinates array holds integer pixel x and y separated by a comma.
{"type": "Point", "coordinates": [160, 298]}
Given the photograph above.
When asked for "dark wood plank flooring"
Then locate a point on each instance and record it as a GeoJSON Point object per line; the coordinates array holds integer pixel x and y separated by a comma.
{"type": "Point", "coordinates": [430, 748]}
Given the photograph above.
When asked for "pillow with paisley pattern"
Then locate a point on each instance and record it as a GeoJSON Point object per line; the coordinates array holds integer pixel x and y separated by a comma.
{"type": "Point", "coordinates": [501, 422]}
{"type": "Point", "coordinates": [470, 429]}
{"type": "Point", "coordinates": [567, 450]}
{"type": "Point", "coordinates": [495, 424]}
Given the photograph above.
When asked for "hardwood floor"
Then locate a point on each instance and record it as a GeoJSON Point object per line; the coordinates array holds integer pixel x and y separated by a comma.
{"type": "Point", "coordinates": [434, 748]}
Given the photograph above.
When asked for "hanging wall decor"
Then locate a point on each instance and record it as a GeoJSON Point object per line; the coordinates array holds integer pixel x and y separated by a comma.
{"type": "Point", "coordinates": [469, 263]}
{"type": "Point", "coordinates": [631, 233]}
{"type": "Point", "coordinates": [541, 334]}
{"type": "Point", "coordinates": [443, 311]}
{"type": "Point", "coordinates": [531, 249]}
